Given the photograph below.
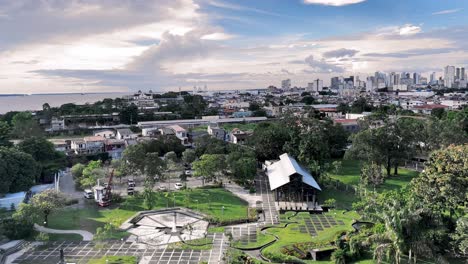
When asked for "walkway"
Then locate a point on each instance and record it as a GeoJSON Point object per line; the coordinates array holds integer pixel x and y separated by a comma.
{"type": "Point", "coordinates": [268, 205]}
{"type": "Point", "coordinates": [87, 236]}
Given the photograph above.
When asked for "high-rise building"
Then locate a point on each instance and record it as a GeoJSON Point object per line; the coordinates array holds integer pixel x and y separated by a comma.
{"type": "Point", "coordinates": [317, 85]}
{"type": "Point", "coordinates": [433, 78]}
{"type": "Point", "coordinates": [416, 78]}
{"type": "Point", "coordinates": [449, 76]}
{"type": "Point", "coordinates": [458, 76]}
{"type": "Point", "coordinates": [462, 73]}
{"type": "Point", "coordinates": [286, 84]}
{"type": "Point", "coordinates": [335, 82]}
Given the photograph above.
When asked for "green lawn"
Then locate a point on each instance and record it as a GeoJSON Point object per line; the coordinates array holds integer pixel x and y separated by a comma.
{"type": "Point", "coordinates": [114, 260]}
{"type": "Point", "coordinates": [350, 174]}
{"type": "Point", "coordinates": [208, 201]}
{"type": "Point", "coordinates": [351, 169]}
{"type": "Point", "coordinates": [262, 239]}
{"type": "Point", "coordinates": [65, 237]}
{"type": "Point", "coordinates": [288, 236]}
{"type": "Point", "coordinates": [244, 127]}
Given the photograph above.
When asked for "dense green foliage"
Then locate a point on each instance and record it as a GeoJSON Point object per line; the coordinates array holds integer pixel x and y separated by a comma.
{"type": "Point", "coordinates": [50, 161]}
{"type": "Point", "coordinates": [18, 170]}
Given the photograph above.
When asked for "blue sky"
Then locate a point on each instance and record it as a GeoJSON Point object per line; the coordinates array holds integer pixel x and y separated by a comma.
{"type": "Point", "coordinates": [119, 45]}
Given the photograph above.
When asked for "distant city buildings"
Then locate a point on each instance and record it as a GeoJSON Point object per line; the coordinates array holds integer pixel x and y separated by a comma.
{"type": "Point", "coordinates": [286, 84]}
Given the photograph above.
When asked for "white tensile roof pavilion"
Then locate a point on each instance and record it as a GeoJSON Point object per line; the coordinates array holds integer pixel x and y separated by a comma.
{"type": "Point", "coordinates": [280, 172]}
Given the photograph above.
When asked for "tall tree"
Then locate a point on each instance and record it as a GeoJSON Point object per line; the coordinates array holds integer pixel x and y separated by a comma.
{"type": "Point", "coordinates": [269, 139]}
{"type": "Point", "coordinates": [189, 156]}
{"type": "Point", "coordinates": [208, 166]}
{"type": "Point", "coordinates": [47, 202]}
{"type": "Point", "coordinates": [443, 184]}
{"type": "Point", "coordinates": [5, 135]}
{"type": "Point", "coordinates": [43, 151]}
{"type": "Point", "coordinates": [17, 170]}
{"type": "Point", "coordinates": [25, 126]}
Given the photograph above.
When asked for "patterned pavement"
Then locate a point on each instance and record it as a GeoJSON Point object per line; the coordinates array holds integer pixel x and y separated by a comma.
{"type": "Point", "coordinates": [82, 252]}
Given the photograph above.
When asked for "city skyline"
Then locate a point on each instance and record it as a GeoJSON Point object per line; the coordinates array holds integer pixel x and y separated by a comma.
{"type": "Point", "coordinates": [101, 46]}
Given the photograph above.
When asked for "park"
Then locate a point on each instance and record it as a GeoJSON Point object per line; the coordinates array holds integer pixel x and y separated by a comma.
{"type": "Point", "coordinates": [220, 202]}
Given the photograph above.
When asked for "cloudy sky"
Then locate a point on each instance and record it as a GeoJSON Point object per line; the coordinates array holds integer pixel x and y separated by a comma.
{"type": "Point", "coordinates": [121, 45]}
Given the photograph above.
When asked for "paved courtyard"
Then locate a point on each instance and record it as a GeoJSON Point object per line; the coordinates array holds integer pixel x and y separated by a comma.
{"type": "Point", "coordinates": [82, 252]}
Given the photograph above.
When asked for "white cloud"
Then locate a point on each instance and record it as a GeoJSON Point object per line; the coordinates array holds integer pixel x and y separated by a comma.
{"type": "Point", "coordinates": [448, 11]}
{"type": "Point", "coordinates": [409, 29]}
{"type": "Point", "coordinates": [217, 36]}
{"type": "Point", "coordinates": [333, 2]}
{"type": "Point", "coordinates": [322, 66]}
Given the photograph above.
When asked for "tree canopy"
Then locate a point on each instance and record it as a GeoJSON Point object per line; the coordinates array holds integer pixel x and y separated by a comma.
{"type": "Point", "coordinates": [18, 170]}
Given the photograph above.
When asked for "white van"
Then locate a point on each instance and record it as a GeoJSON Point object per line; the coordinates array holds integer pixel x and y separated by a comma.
{"type": "Point", "coordinates": [88, 194]}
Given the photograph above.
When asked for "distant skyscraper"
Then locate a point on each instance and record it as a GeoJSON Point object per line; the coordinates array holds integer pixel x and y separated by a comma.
{"type": "Point", "coordinates": [449, 76]}
{"type": "Point", "coordinates": [286, 84]}
{"type": "Point", "coordinates": [462, 73]}
{"type": "Point", "coordinates": [317, 85]}
{"type": "Point", "coordinates": [433, 79]}
{"type": "Point", "coordinates": [416, 78]}
{"type": "Point", "coordinates": [458, 76]}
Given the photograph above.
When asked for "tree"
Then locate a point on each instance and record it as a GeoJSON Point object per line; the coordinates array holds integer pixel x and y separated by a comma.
{"type": "Point", "coordinates": [361, 105]}
{"type": "Point", "coordinates": [17, 170]}
{"type": "Point", "coordinates": [129, 115]}
{"type": "Point", "coordinates": [269, 139]}
{"type": "Point", "coordinates": [371, 173]}
{"type": "Point", "coordinates": [5, 135]}
{"type": "Point", "coordinates": [254, 106]}
{"type": "Point", "coordinates": [460, 237]}
{"type": "Point", "coordinates": [209, 145]}
{"type": "Point", "coordinates": [208, 166]}
{"type": "Point", "coordinates": [443, 184]}
{"type": "Point", "coordinates": [385, 144]}
{"type": "Point", "coordinates": [24, 126]}
{"type": "Point", "coordinates": [438, 113]}
{"type": "Point", "coordinates": [189, 156]}
{"type": "Point", "coordinates": [43, 151]}
{"type": "Point", "coordinates": [21, 224]}
{"type": "Point", "coordinates": [92, 173]}
{"type": "Point", "coordinates": [308, 100]}
{"type": "Point", "coordinates": [47, 202]}
{"type": "Point", "coordinates": [77, 170]}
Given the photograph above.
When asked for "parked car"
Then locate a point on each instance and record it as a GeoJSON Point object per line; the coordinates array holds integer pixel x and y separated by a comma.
{"type": "Point", "coordinates": [178, 186]}
{"type": "Point", "coordinates": [88, 194]}
{"type": "Point", "coordinates": [162, 188]}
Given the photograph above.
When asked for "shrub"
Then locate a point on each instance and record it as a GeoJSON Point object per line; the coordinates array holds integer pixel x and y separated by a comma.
{"type": "Point", "coordinates": [17, 228]}
{"type": "Point", "coordinates": [44, 237]}
{"type": "Point", "coordinates": [71, 201]}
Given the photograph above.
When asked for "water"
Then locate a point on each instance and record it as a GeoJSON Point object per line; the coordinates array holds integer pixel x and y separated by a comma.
{"type": "Point", "coordinates": [35, 101]}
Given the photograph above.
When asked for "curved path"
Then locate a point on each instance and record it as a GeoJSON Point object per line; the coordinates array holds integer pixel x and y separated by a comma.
{"type": "Point", "coordinates": [87, 236]}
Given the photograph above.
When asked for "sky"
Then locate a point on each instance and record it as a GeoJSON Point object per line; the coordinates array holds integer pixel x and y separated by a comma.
{"type": "Point", "coordinates": [60, 46]}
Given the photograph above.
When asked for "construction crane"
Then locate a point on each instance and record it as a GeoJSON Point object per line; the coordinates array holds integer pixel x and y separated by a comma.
{"type": "Point", "coordinates": [103, 194]}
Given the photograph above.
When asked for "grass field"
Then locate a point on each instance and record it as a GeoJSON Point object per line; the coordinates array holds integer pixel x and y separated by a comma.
{"type": "Point", "coordinates": [65, 237]}
{"type": "Point", "coordinates": [290, 235]}
{"type": "Point", "coordinates": [350, 175]}
{"type": "Point", "coordinates": [244, 127]}
{"type": "Point", "coordinates": [114, 260]}
{"type": "Point", "coordinates": [351, 169]}
{"type": "Point", "coordinates": [207, 201]}
{"type": "Point", "coordinates": [262, 239]}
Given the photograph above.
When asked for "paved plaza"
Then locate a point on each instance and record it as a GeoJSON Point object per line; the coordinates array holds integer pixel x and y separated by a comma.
{"type": "Point", "coordinates": [82, 252]}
